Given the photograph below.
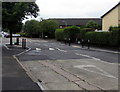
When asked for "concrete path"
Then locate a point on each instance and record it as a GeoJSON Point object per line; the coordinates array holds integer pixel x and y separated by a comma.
{"type": "Point", "coordinates": [14, 77]}
{"type": "Point", "coordinates": [84, 74]}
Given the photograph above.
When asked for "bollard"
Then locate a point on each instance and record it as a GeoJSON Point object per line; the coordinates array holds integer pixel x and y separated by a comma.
{"type": "Point", "coordinates": [17, 41]}
{"type": "Point", "coordinates": [65, 41]}
{"type": "Point", "coordinates": [69, 42]}
{"type": "Point", "coordinates": [24, 43]}
{"type": "Point", "coordinates": [88, 44]}
{"type": "Point", "coordinates": [82, 43]}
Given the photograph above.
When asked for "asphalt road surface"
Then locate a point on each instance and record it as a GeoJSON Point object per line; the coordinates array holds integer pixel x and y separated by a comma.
{"type": "Point", "coordinates": [57, 50]}
{"type": "Point", "coordinates": [61, 67]}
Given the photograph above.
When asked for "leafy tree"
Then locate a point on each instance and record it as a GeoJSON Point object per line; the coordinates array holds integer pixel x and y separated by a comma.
{"type": "Point", "coordinates": [14, 12]}
{"type": "Point", "coordinates": [71, 32]}
{"type": "Point", "coordinates": [48, 28]}
{"type": "Point", "coordinates": [32, 28]}
{"type": "Point", "coordinates": [93, 25]}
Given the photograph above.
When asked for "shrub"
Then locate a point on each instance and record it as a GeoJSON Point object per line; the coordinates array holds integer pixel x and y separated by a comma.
{"type": "Point", "coordinates": [23, 34]}
{"type": "Point", "coordinates": [98, 38]}
{"type": "Point", "coordinates": [59, 34]}
{"type": "Point", "coordinates": [81, 34]}
{"type": "Point", "coordinates": [103, 38]}
{"type": "Point", "coordinates": [71, 32]}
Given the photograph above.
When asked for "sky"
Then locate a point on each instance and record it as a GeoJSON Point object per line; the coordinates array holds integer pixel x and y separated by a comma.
{"type": "Point", "coordinates": [73, 8]}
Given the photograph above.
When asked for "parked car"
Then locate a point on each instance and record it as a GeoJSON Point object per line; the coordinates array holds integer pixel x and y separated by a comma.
{"type": "Point", "coordinates": [16, 35]}
{"type": "Point", "coordinates": [7, 35]}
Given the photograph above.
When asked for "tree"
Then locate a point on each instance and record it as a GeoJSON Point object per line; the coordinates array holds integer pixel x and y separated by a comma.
{"type": "Point", "coordinates": [32, 28]}
{"type": "Point", "coordinates": [14, 12]}
{"type": "Point", "coordinates": [71, 32]}
{"type": "Point", "coordinates": [48, 28]}
{"type": "Point", "coordinates": [93, 25]}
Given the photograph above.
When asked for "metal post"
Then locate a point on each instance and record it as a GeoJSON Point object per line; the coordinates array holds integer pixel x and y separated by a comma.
{"type": "Point", "coordinates": [69, 41]}
{"type": "Point", "coordinates": [17, 41]}
{"type": "Point", "coordinates": [65, 41]}
{"type": "Point", "coordinates": [24, 43]}
{"type": "Point", "coordinates": [88, 44]}
{"type": "Point", "coordinates": [82, 43]}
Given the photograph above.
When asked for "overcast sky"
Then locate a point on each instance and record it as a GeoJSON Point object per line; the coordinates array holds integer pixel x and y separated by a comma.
{"type": "Point", "coordinates": [74, 8]}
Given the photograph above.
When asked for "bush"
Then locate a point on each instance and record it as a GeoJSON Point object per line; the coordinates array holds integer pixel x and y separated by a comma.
{"type": "Point", "coordinates": [81, 34]}
{"type": "Point", "coordinates": [59, 34]}
{"type": "Point", "coordinates": [23, 34]}
{"type": "Point", "coordinates": [114, 28]}
{"type": "Point", "coordinates": [114, 38]}
{"type": "Point", "coordinates": [103, 38]}
{"type": "Point", "coordinates": [71, 32]}
{"type": "Point", "coordinates": [98, 38]}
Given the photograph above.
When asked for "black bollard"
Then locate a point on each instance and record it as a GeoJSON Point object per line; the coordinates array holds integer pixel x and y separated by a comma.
{"type": "Point", "coordinates": [82, 43]}
{"type": "Point", "coordinates": [69, 41]}
{"type": "Point", "coordinates": [17, 41]}
{"type": "Point", "coordinates": [24, 43]}
{"type": "Point", "coordinates": [88, 44]}
{"type": "Point", "coordinates": [65, 41]}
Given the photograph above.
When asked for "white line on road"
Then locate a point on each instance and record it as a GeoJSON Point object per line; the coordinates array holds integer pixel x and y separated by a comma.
{"type": "Point", "coordinates": [104, 73]}
{"type": "Point", "coordinates": [51, 49]}
{"type": "Point", "coordinates": [40, 85]}
{"type": "Point", "coordinates": [61, 50]}
{"type": "Point", "coordinates": [87, 56]}
{"type": "Point", "coordinates": [38, 49]}
{"type": "Point", "coordinates": [6, 47]}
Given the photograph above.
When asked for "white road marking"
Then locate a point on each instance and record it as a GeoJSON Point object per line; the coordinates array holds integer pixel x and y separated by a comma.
{"type": "Point", "coordinates": [40, 85]}
{"type": "Point", "coordinates": [76, 46]}
{"type": "Point", "coordinates": [38, 49]}
{"type": "Point", "coordinates": [61, 50]}
{"type": "Point", "coordinates": [104, 73]}
{"type": "Point", "coordinates": [6, 47]}
{"type": "Point", "coordinates": [51, 49]}
{"type": "Point", "coordinates": [87, 56]}
{"type": "Point", "coordinates": [95, 58]}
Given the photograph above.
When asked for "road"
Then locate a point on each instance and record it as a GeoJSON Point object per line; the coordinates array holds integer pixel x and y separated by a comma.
{"type": "Point", "coordinates": [50, 48]}
{"type": "Point", "coordinates": [61, 67]}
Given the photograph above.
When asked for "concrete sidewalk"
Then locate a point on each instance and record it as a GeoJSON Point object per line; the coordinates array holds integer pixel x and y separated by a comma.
{"type": "Point", "coordinates": [60, 75]}
{"type": "Point", "coordinates": [14, 77]}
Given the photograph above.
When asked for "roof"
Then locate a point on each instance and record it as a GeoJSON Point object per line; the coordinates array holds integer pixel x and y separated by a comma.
{"type": "Point", "coordinates": [76, 21]}
{"type": "Point", "coordinates": [110, 10]}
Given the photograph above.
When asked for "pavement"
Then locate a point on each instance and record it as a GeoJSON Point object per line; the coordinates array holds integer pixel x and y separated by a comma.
{"type": "Point", "coordinates": [14, 77]}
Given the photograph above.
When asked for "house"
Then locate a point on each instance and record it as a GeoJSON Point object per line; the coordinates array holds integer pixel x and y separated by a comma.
{"type": "Point", "coordinates": [63, 22]}
{"type": "Point", "coordinates": [111, 18]}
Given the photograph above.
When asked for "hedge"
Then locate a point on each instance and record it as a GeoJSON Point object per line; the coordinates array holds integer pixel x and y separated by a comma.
{"type": "Point", "coordinates": [59, 34]}
{"type": "Point", "coordinates": [71, 32]}
{"type": "Point", "coordinates": [103, 38]}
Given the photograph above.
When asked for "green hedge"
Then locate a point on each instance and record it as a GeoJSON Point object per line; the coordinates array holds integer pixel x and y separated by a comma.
{"type": "Point", "coordinates": [103, 38]}
{"type": "Point", "coordinates": [59, 34]}
{"type": "Point", "coordinates": [23, 34]}
{"type": "Point", "coordinates": [71, 32]}
{"type": "Point", "coordinates": [96, 38]}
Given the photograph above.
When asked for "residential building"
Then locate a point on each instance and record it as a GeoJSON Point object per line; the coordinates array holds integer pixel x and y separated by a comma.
{"type": "Point", "coordinates": [63, 22]}
{"type": "Point", "coordinates": [111, 18]}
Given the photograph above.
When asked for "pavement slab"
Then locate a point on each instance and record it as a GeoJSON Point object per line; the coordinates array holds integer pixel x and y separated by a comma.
{"type": "Point", "coordinates": [63, 75]}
